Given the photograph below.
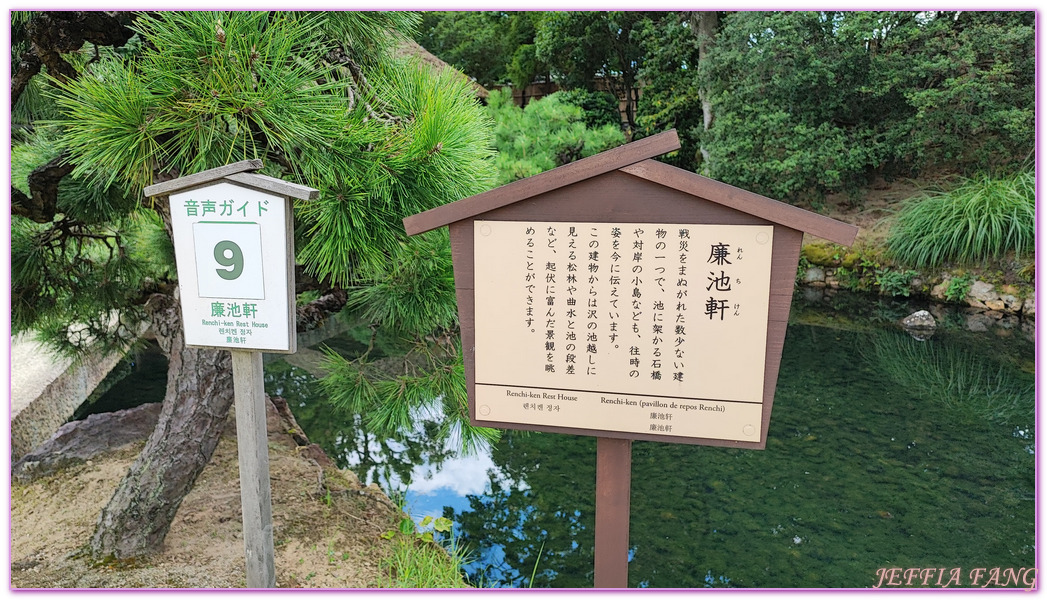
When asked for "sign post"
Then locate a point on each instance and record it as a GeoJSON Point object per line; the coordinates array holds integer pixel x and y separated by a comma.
{"type": "Point", "coordinates": [234, 251]}
{"type": "Point", "coordinates": [626, 299]}
{"type": "Point", "coordinates": [613, 476]}
{"type": "Point", "coordinates": [252, 443]}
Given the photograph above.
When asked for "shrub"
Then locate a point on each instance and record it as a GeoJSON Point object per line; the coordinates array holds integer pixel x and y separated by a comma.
{"type": "Point", "coordinates": [957, 289]}
{"type": "Point", "coordinates": [599, 108]}
{"type": "Point", "coordinates": [895, 283]}
{"type": "Point", "coordinates": [983, 218]}
{"type": "Point", "coordinates": [547, 133]}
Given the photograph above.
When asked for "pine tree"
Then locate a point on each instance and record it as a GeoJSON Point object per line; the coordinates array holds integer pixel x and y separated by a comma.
{"type": "Point", "coordinates": [104, 104]}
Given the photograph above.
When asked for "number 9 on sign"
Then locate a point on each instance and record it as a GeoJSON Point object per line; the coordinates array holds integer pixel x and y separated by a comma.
{"type": "Point", "coordinates": [230, 256]}
{"type": "Point", "coordinates": [229, 260]}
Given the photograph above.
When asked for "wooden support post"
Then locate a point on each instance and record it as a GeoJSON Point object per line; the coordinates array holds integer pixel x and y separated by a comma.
{"type": "Point", "coordinates": [613, 476]}
{"type": "Point", "coordinates": [252, 444]}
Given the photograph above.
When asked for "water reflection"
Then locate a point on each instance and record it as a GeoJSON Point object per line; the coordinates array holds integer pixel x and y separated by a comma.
{"type": "Point", "coordinates": [871, 462]}
{"type": "Point", "coordinates": [883, 451]}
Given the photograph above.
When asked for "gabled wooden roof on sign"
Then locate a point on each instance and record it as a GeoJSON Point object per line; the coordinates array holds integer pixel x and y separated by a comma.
{"type": "Point", "coordinates": [634, 159]}
{"type": "Point", "coordinates": [236, 172]}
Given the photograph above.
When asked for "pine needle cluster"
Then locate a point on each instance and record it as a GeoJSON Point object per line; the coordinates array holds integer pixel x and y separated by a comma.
{"type": "Point", "coordinates": [321, 99]}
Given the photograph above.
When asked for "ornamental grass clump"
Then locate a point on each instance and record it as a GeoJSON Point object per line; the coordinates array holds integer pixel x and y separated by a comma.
{"type": "Point", "coordinates": [982, 219]}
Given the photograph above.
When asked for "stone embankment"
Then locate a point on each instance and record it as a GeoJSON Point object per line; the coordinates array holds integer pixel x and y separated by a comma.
{"type": "Point", "coordinates": [45, 390]}
{"type": "Point", "coordinates": [1004, 310]}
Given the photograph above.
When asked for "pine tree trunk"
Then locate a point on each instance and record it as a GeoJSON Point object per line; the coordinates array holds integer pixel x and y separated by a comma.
{"type": "Point", "coordinates": [199, 394]}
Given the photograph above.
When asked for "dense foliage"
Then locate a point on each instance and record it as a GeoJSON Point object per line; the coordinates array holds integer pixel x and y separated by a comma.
{"type": "Point", "coordinates": [800, 104]}
{"type": "Point", "coordinates": [493, 47]}
{"type": "Point", "coordinates": [547, 133]}
{"type": "Point", "coordinates": [671, 98]}
{"type": "Point", "coordinates": [315, 95]}
{"type": "Point", "coordinates": [599, 108]}
{"type": "Point", "coordinates": [592, 50]}
{"type": "Point", "coordinates": [818, 102]}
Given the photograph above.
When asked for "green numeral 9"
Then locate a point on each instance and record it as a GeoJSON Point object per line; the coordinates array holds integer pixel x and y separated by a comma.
{"type": "Point", "coordinates": [229, 255]}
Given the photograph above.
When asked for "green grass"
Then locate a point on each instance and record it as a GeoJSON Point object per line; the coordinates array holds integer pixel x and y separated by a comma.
{"type": "Point", "coordinates": [419, 564]}
{"type": "Point", "coordinates": [423, 559]}
{"type": "Point", "coordinates": [983, 218]}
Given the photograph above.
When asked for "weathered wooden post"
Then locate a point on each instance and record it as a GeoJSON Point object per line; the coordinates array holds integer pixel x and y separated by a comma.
{"type": "Point", "coordinates": [623, 298]}
{"type": "Point", "coordinates": [234, 249]}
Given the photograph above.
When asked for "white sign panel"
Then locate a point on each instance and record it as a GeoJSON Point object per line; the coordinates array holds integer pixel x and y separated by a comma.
{"type": "Point", "coordinates": [655, 328]}
{"type": "Point", "coordinates": [232, 246]}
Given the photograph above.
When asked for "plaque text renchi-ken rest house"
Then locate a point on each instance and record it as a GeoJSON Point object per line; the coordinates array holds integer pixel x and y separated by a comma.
{"type": "Point", "coordinates": [647, 327]}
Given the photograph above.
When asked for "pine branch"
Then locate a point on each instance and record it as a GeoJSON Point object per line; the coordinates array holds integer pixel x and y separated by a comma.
{"type": "Point", "coordinates": [54, 33]}
{"type": "Point", "coordinates": [360, 87]}
{"type": "Point", "coordinates": [41, 205]}
{"type": "Point", "coordinates": [28, 66]}
{"type": "Point", "coordinates": [311, 315]}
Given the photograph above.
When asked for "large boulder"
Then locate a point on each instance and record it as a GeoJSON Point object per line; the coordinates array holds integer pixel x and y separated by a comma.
{"type": "Point", "coordinates": [79, 441]}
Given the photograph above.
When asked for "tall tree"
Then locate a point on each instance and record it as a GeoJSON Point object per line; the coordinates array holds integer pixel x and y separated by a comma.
{"type": "Point", "coordinates": [584, 48]}
{"type": "Point", "coordinates": [138, 98]}
{"type": "Point", "coordinates": [545, 134]}
{"type": "Point", "coordinates": [483, 44]}
{"type": "Point", "coordinates": [671, 96]}
{"type": "Point", "coordinates": [705, 24]}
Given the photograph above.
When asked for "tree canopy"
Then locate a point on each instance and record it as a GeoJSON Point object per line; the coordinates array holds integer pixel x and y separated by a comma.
{"type": "Point", "coordinates": [494, 47]}
{"type": "Point", "coordinates": [820, 101]}
{"type": "Point", "coordinates": [799, 104]}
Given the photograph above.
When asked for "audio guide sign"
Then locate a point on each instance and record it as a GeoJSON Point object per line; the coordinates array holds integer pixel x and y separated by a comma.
{"type": "Point", "coordinates": [234, 250]}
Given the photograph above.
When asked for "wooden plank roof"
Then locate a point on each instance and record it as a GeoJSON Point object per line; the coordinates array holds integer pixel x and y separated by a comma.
{"type": "Point", "coordinates": [522, 189]}
{"type": "Point", "coordinates": [237, 172]}
{"type": "Point", "coordinates": [745, 201]}
{"type": "Point", "coordinates": [634, 159]}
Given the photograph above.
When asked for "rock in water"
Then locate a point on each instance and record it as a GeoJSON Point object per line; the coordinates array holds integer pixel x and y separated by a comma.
{"type": "Point", "coordinates": [920, 324]}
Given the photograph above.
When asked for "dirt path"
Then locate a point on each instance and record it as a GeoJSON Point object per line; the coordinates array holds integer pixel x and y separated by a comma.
{"type": "Point", "coordinates": [326, 527]}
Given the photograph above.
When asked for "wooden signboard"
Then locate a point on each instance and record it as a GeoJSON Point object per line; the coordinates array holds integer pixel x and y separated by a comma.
{"type": "Point", "coordinates": [235, 255]}
{"type": "Point", "coordinates": [637, 328]}
{"type": "Point", "coordinates": [623, 298]}
{"type": "Point", "coordinates": [234, 251]}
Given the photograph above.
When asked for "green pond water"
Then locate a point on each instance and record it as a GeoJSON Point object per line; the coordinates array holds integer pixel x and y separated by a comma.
{"type": "Point", "coordinates": [883, 452]}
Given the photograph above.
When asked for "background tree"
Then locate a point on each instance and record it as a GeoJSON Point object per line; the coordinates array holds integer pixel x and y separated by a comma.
{"type": "Point", "coordinates": [545, 134]}
{"type": "Point", "coordinates": [671, 97]}
{"type": "Point", "coordinates": [580, 51]}
{"type": "Point", "coordinates": [797, 105]}
{"type": "Point", "coordinates": [586, 47]}
{"type": "Point", "coordinates": [154, 96]}
{"type": "Point", "coordinates": [490, 46]}
{"type": "Point", "coordinates": [809, 103]}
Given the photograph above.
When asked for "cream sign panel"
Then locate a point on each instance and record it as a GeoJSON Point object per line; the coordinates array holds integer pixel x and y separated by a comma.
{"type": "Point", "coordinates": [633, 327]}
{"type": "Point", "coordinates": [231, 247]}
